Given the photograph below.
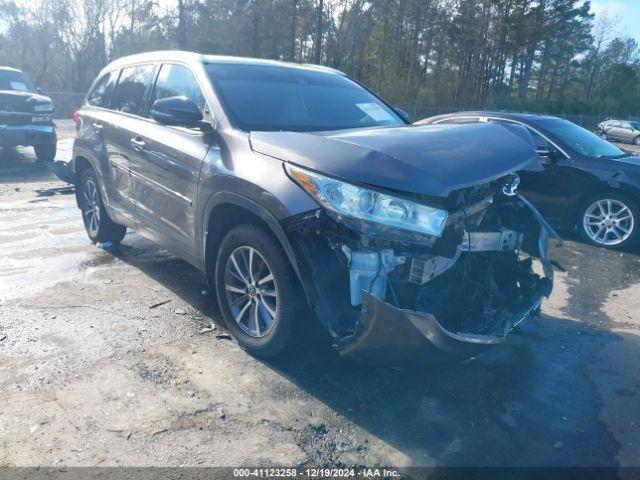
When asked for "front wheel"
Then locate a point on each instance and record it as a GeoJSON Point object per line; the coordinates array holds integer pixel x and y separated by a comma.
{"type": "Point", "coordinates": [257, 291]}
{"type": "Point", "coordinates": [97, 223]}
{"type": "Point", "coordinates": [636, 141]}
{"type": "Point", "coordinates": [609, 220]}
{"type": "Point", "coordinates": [603, 135]}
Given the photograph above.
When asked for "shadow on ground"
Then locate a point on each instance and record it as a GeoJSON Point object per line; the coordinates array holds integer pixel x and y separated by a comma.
{"type": "Point", "coordinates": [526, 403]}
{"type": "Point", "coordinates": [20, 165]}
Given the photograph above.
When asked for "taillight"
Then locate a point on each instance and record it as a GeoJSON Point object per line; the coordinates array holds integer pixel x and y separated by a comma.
{"type": "Point", "coordinates": [76, 116]}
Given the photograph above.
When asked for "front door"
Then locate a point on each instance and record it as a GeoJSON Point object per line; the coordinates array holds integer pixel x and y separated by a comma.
{"type": "Point", "coordinates": [626, 132]}
{"type": "Point", "coordinates": [167, 167]}
{"type": "Point", "coordinates": [551, 186]}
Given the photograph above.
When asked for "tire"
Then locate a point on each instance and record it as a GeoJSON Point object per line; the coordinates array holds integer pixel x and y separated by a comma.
{"type": "Point", "coordinates": [97, 223]}
{"type": "Point", "coordinates": [620, 229]}
{"type": "Point", "coordinates": [636, 141]}
{"type": "Point", "coordinates": [265, 322]}
{"type": "Point", "coordinates": [46, 153]}
{"type": "Point", "coordinates": [603, 135]}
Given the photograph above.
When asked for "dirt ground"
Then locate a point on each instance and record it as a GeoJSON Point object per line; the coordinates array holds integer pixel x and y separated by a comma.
{"type": "Point", "coordinates": [107, 358]}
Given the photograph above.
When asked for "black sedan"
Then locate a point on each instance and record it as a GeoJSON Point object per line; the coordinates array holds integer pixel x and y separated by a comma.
{"type": "Point", "coordinates": [586, 182]}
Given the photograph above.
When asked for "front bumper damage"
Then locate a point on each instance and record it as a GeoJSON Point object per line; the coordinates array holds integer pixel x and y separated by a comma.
{"type": "Point", "coordinates": [392, 302]}
{"type": "Point", "coordinates": [390, 335]}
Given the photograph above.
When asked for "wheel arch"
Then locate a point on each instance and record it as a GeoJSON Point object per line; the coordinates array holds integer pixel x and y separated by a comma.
{"type": "Point", "coordinates": [80, 164]}
{"type": "Point", "coordinates": [223, 211]}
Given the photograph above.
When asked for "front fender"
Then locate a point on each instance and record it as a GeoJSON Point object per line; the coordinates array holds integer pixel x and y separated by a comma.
{"type": "Point", "coordinates": [265, 215]}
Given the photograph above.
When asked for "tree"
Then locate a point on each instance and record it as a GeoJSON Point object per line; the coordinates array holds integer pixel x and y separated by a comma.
{"type": "Point", "coordinates": [526, 54]}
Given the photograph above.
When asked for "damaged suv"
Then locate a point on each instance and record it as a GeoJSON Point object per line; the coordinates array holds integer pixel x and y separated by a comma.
{"type": "Point", "coordinates": [292, 186]}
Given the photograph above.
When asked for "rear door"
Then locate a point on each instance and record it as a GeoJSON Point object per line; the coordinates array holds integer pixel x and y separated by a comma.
{"type": "Point", "coordinates": [167, 169]}
{"type": "Point", "coordinates": [96, 130]}
{"type": "Point", "coordinates": [120, 125]}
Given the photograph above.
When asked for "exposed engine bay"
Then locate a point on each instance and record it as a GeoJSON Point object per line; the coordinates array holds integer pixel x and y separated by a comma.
{"type": "Point", "coordinates": [382, 293]}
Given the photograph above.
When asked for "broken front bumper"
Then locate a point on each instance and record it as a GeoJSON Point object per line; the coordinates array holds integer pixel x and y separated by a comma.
{"type": "Point", "coordinates": [390, 335]}
{"type": "Point", "coordinates": [386, 334]}
{"type": "Point", "coordinates": [438, 306]}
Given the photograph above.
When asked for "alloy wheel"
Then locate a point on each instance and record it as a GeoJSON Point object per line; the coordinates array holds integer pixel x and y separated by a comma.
{"type": "Point", "coordinates": [91, 206]}
{"type": "Point", "coordinates": [608, 222]}
{"type": "Point", "coordinates": [251, 291]}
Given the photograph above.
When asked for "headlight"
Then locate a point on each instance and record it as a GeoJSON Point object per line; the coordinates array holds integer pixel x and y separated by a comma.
{"type": "Point", "coordinates": [43, 107]}
{"type": "Point", "coordinates": [368, 205]}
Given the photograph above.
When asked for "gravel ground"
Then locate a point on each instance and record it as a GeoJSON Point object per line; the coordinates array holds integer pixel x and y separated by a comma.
{"type": "Point", "coordinates": [107, 358]}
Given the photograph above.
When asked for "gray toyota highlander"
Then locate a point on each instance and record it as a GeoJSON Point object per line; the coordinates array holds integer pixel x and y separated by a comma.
{"type": "Point", "coordinates": [297, 190]}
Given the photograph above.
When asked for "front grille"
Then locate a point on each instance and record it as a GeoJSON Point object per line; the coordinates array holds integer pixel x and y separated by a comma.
{"type": "Point", "coordinates": [471, 195]}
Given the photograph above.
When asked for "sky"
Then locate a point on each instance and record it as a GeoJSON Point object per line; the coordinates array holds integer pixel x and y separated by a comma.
{"type": "Point", "coordinates": [628, 11]}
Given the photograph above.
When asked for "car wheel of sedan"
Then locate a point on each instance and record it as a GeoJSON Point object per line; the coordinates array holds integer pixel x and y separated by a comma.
{"type": "Point", "coordinates": [603, 135]}
{"type": "Point", "coordinates": [97, 223]}
{"type": "Point", "coordinates": [609, 220]}
{"type": "Point", "coordinates": [257, 290]}
{"type": "Point", "coordinates": [636, 141]}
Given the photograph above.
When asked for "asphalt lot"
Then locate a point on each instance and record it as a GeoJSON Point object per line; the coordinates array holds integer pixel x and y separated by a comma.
{"type": "Point", "coordinates": [107, 358]}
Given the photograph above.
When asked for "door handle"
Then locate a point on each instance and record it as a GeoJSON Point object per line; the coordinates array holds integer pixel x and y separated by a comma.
{"type": "Point", "coordinates": [137, 143]}
{"type": "Point", "coordinates": [97, 126]}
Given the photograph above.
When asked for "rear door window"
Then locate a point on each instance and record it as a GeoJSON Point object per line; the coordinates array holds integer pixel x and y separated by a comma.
{"type": "Point", "coordinates": [132, 86]}
{"type": "Point", "coordinates": [100, 95]}
{"type": "Point", "coordinates": [178, 81]}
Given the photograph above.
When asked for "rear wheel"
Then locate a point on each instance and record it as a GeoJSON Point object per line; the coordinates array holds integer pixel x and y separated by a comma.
{"type": "Point", "coordinates": [257, 291]}
{"type": "Point", "coordinates": [609, 220]}
{"type": "Point", "coordinates": [97, 223]}
{"type": "Point", "coordinates": [46, 152]}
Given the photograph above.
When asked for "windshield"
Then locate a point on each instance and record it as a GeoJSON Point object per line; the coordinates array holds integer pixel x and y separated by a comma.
{"type": "Point", "coordinates": [268, 98]}
{"type": "Point", "coordinates": [11, 80]}
{"type": "Point", "coordinates": [581, 140]}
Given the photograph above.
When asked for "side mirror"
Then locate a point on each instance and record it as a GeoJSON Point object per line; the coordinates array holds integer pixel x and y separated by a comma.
{"type": "Point", "coordinates": [547, 152]}
{"type": "Point", "coordinates": [177, 112]}
{"type": "Point", "coordinates": [403, 114]}
{"type": "Point", "coordinates": [543, 151]}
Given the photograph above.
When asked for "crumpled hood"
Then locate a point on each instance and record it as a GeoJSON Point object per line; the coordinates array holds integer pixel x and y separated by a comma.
{"type": "Point", "coordinates": [432, 160]}
{"type": "Point", "coordinates": [19, 101]}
